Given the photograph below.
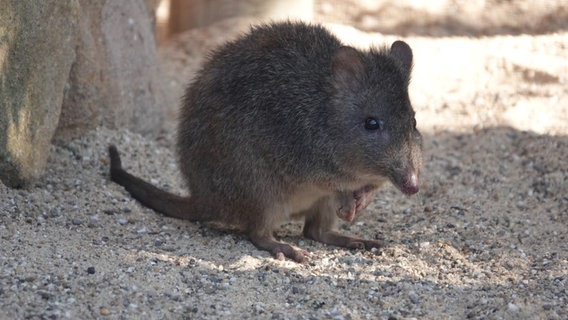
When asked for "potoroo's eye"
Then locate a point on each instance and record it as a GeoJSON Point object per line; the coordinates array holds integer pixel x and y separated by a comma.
{"type": "Point", "coordinates": [373, 124]}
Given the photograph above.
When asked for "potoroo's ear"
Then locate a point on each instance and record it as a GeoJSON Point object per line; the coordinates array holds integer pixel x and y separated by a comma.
{"type": "Point", "coordinates": [347, 65]}
{"type": "Point", "coordinates": [401, 51]}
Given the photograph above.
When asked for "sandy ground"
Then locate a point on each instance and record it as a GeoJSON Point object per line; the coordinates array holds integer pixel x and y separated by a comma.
{"type": "Point", "coordinates": [486, 238]}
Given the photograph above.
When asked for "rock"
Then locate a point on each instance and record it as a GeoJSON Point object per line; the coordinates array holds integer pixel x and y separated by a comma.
{"type": "Point", "coordinates": [37, 50]}
{"type": "Point", "coordinates": [115, 79]}
{"type": "Point", "coordinates": [88, 63]}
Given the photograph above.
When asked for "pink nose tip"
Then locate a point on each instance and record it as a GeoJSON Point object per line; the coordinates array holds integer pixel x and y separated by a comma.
{"type": "Point", "coordinates": [410, 186]}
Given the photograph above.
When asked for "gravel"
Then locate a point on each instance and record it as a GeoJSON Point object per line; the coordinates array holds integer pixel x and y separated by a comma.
{"type": "Point", "coordinates": [486, 239]}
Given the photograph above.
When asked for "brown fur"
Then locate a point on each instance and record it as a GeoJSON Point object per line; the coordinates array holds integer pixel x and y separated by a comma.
{"type": "Point", "coordinates": [284, 123]}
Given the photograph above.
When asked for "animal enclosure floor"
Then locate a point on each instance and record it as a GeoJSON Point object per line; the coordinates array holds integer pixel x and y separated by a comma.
{"type": "Point", "coordinates": [486, 237]}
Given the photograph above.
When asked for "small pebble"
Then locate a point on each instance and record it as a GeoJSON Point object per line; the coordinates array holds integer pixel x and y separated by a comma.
{"type": "Point", "coordinates": [547, 306]}
{"type": "Point", "coordinates": [45, 295]}
{"type": "Point", "coordinates": [91, 270]}
{"type": "Point", "coordinates": [513, 307]}
{"type": "Point", "coordinates": [414, 298]}
{"type": "Point", "coordinates": [142, 230]}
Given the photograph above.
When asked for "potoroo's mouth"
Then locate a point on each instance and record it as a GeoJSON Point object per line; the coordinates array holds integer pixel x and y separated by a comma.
{"type": "Point", "coordinates": [407, 182]}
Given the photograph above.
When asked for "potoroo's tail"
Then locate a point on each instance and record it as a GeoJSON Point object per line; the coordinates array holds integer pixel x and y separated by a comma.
{"type": "Point", "coordinates": [159, 200]}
